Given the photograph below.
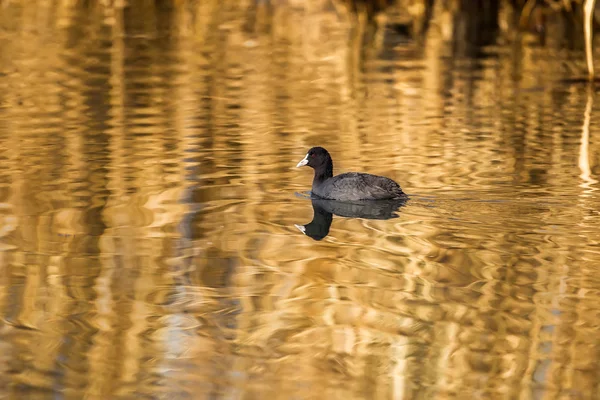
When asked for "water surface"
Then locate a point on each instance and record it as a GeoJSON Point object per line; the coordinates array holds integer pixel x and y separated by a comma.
{"type": "Point", "coordinates": [148, 200]}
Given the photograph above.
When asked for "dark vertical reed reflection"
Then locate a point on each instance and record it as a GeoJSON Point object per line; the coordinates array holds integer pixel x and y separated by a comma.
{"type": "Point", "coordinates": [147, 203]}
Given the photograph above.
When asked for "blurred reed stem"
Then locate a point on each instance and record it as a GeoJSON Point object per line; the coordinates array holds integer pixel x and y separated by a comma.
{"type": "Point", "coordinates": [588, 12]}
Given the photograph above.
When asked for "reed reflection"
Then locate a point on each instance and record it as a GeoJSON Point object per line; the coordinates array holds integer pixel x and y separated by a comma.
{"type": "Point", "coordinates": [323, 211]}
{"type": "Point", "coordinates": [144, 194]}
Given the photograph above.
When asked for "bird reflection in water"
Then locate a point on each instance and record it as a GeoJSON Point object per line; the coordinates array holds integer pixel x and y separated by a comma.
{"type": "Point", "coordinates": [323, 211]}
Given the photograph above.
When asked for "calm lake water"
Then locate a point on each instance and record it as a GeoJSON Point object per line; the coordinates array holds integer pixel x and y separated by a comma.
{"type": "Point", "coordinates": [149, 197]}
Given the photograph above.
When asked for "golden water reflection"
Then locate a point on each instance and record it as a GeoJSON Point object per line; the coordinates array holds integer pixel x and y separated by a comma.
{"type": "Point", "coordinates": [148, 203]}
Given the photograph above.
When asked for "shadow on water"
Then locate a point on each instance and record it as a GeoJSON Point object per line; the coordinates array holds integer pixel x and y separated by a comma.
{"type": "Point", "coordinates": [323, 211]}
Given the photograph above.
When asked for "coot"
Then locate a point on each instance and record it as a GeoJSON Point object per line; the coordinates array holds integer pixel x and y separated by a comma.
{"type": "Point", "coordinates": [350, 186]}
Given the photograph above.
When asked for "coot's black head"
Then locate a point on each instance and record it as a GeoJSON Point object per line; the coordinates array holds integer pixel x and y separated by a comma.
{"type": "Point", "coordinates": [317, 158]}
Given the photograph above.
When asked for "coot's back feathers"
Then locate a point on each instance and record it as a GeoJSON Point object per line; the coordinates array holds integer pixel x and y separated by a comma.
{"type": "Point", "coordinates": [358, 186]}
{"type": "Point", "coordinates": [350, 186]}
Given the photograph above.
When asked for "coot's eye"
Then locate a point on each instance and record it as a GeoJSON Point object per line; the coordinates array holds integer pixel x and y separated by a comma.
{"type": "Point", "coordinates": [312, 155]}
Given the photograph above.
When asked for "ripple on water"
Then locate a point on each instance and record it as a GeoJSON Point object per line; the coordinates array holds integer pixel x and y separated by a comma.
{"type": "Point", "coordinates": [148, 203]}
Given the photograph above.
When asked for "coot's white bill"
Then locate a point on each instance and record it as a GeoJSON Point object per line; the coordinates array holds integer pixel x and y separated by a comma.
{"type": "Point", "coordinates": [303, 162]}
{"type": "Point", "coordinates": [301, 228]}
